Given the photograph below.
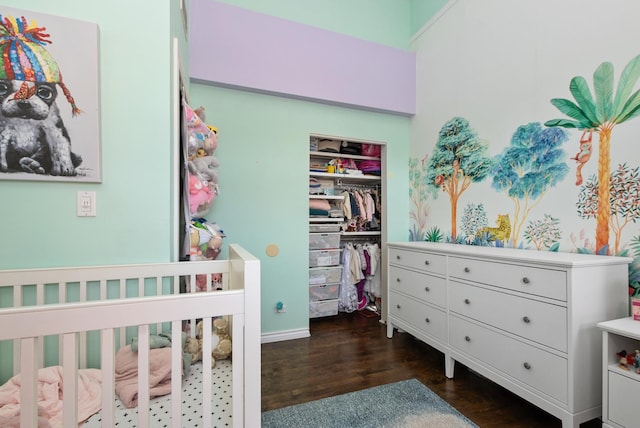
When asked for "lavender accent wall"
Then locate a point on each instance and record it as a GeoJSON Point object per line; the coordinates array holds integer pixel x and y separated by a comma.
{"type": "Point", "coordinates": [237, 48]}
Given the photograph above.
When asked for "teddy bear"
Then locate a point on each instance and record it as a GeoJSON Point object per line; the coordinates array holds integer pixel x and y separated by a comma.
{"type": "Point", "coordinates": [222, 350]}
{"type": "Point", "coordinates": [220, 341]}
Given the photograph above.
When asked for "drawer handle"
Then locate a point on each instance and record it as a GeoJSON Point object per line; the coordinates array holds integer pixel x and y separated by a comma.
{"type": "Point", "coordinates": [426, 262]}
{"type": "Point", "coordinates": [398, 257]}
{"type": "Point", "coordinates": [467, 338]}
{"type": "Point", "coordinates": [525, 280]}
{"type": "Point", "coordinates": [427, 320]}
{"type": "Point", "coordinates": [398, 306]}
{"type": "Point", "coordinates": [467, 270]}
{"type": "Point", "coordinates": [526, 320]}
{"type": "Point", "coordinates": [397, 279]}
{"type": "Point", "coordinates": [467, 301]}
{"type": "Point", "coordinates": [527, 366]}
{"type": "Point", "coordinates": [427, 289]}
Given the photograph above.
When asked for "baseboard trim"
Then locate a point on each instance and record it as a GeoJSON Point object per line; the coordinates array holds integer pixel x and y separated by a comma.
{"type": "Point", "coordinates": [279, 336]}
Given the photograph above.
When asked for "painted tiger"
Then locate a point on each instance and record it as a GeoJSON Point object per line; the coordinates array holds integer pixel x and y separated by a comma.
{"type": "Point", "coordinates": [500, 233]}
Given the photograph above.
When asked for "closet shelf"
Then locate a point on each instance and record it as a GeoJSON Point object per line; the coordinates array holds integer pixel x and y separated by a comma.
{"type": "Point", "coordinates": [331, 155]}
{"type": "Point", "coordinates": [368, 233]}
{"type": "Point", "coordinates": [346, 177]}
{"type": "Point", "coordinates": [326, 219]}
{"type": "Point", "coordinates": [340, 197]}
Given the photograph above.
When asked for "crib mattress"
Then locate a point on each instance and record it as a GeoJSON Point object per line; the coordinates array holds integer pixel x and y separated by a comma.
{"type": "Point", "coordinates": [159, 414]}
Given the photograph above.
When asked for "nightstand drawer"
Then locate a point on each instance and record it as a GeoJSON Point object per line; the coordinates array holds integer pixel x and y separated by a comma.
{"type": "Point", "coordinates": [537, 321]}
{"type": "Point", "coordinates": [537, 368]}
{"type": "Point", "coordinates": [432, 289]}
{"type": "Point", "coordinates": [426, 318]}
{"type": "Point", "coordinates": [526, 279]}
{"type": "Point", "coordinates": [427, 262]}
{"type": "Point", "coordinates": [623, 399]}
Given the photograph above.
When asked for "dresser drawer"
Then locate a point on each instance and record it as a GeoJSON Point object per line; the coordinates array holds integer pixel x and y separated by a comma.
{"type": "Point", "coordinates": [535, 367]}
{"type": "Point", "coordinates": [425, 318]}
{"type": "Point", "coordinates": [427, 262]}
{"type": "Point", "coordinates": [432, 289]}
{"type": "Point", "coordinates": [537, 321]}
{"type": "Point", "coordinates": [537, 281]}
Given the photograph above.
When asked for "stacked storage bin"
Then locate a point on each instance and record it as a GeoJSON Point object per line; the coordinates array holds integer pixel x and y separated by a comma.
{"type": "Point", "coordinates": [325, 270]}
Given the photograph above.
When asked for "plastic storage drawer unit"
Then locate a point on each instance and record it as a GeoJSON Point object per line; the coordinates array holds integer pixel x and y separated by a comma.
{"type": "Point", "coordinates": [324, 291]}
{"type": "Point", "coordinates": [324, 258]}
{"type": "Point", "coordinates": [324, 241]}
{"type": "Point", "coordinates": [323, 308]}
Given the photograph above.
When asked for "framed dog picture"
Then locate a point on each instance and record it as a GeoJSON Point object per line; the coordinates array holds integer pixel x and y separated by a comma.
{"type": "Point", "coordinates": [49, 98]}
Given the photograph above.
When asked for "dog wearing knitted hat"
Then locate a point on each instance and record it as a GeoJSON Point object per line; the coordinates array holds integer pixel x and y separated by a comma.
{"type": "Point", "coordinates": [33, 137]}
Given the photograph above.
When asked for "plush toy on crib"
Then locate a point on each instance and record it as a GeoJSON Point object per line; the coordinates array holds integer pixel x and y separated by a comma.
{"type": "Point", "coordinates": [220, 342]}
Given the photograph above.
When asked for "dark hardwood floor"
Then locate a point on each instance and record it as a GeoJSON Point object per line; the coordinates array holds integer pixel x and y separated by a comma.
{"type": "Point", "coordinates": [350, 352]}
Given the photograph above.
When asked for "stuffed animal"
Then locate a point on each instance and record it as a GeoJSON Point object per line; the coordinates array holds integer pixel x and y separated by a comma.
{"type": "Point", "coordinates": [222, 350]}
{"type": "Point", "coordinates": [200, 195]}
{"type": "Point", "coordinates": [194, 241]}
{"type": "Point", "coordinates": [220, 341]}
{"type": "Point", "coordinates": [193, 347]}
{"type": "Point", "coordinates": [205, 168]}
{"type": "Point", "coordinates": [216, 282]}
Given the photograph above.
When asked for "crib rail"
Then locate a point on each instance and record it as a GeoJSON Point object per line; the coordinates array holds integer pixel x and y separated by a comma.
{"type": "Point", "coordinates": [70, 321]}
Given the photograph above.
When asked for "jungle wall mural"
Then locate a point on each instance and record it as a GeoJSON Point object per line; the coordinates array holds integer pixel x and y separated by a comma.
{"type": "Point", "coordinates": [555, 177]}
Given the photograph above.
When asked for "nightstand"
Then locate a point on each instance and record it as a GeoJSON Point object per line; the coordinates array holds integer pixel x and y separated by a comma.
{"type": "Point", "coordinates": [620, 387]}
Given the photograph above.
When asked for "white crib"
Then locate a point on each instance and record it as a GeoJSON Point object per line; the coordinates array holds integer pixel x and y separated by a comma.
{"type": "Point", "coordinates": [86, 306]}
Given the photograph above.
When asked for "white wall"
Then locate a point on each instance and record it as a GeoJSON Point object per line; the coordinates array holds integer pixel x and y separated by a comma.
{"type": "Point", "coordinates": [498, 63]}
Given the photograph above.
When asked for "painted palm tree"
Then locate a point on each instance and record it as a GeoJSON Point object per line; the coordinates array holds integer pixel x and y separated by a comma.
{"type": "Point", "coordinates": [601, 115]}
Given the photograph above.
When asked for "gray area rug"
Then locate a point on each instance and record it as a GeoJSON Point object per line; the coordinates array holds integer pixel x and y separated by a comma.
{"type": "Point", "coordinates": [406, 404]}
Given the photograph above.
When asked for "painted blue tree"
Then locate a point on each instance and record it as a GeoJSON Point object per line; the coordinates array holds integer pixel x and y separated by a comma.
{"type": "Point", "coordinates": [527, 168]}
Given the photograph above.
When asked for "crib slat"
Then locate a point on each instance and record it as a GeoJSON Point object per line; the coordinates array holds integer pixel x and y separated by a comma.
{"type": "Point", "coordinates": [176, 374]}
{"type": "Point", "coordinates": [29, 379]}
{"type": "Point", "coordinates": [143, 376]}
{"type": "Point", "coordinates": [207, 383]}
{"type": "Point", "coordinates": [237, 372]}
{"type": "Point", "coordinates": [108, 369]}
{"type": "Point", "coordinates": [70, 380]}
{"type": "Point", "coordinates": [17, 302]}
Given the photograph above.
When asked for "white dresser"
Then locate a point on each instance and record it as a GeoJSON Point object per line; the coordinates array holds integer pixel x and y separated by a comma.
{"type": "Point", "coordinates": [524, 319]}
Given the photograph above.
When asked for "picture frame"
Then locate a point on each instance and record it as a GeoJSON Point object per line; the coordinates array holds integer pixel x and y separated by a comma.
{"type": "Point", "coordinates": [49, 98]}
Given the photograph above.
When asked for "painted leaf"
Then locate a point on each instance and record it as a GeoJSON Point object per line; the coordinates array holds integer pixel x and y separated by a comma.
{"type": "Point", "coordinates": [628, 80]}
{"type": "Point", "coordinates": [572, 110]}
{"type": "Point", "coordinates": [580, 91]}
{"type": "Point", "coordinates": [564, 123]}
{"type": "Point", "coordinates": [630, 109]}
{"type": "Point", "coordinates": [603, 87]}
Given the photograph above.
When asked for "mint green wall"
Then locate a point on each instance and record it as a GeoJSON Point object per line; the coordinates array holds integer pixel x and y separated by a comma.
{"type": "Point", "coordinates": [382, 21]}
{"type": "Point", "coordinates": [263, 153]}
{"type": "Point", "coordinates": [423, 10]}
{"type": "Point", "coordinates": [134, 201]}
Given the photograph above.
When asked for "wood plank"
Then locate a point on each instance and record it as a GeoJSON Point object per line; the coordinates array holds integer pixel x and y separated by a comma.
{"type": "Point", "coordinates": [350, 352]}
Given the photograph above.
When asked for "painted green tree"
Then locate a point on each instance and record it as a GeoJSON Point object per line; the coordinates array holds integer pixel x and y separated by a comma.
{"type": "Point", "coordinates": [527, 168]}
{"type": "Point", "coordinates": [601, 115]}
{"type": "Point", "coordinates": [459, 158]}
{"type": "Point", "coordinates": [624, 191]}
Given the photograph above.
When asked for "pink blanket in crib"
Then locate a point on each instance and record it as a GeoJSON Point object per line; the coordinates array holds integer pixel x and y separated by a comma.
{"type": "Point", "coordinates": [127, 374]}
{"type": "Point", "coordinates": [50, 389]}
